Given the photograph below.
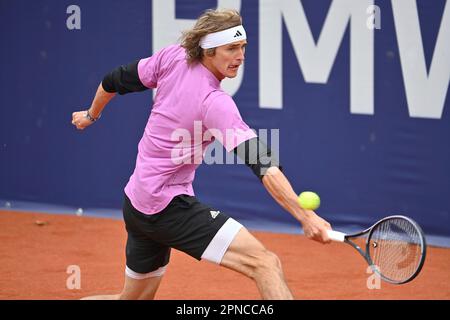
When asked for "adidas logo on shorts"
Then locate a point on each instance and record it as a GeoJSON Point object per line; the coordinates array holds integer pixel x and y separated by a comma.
{"type": "Point", "coordinates": [214, 214]}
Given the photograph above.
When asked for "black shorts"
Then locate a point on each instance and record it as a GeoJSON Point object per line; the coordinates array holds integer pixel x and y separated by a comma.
{"type": "Point", "coordinates": [185, 224]}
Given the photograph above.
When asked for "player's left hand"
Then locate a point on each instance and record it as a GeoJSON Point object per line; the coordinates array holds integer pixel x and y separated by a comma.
{"type": "Point", "coordinates": [80, 120]}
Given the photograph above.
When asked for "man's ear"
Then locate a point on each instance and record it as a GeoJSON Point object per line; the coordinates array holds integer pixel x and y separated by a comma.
{"type": "Point", "coordinates": [210, 52]}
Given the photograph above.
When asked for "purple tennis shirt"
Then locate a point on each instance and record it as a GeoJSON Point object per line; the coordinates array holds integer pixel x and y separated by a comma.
{"type": "Point", "coordinates": [190, 111]}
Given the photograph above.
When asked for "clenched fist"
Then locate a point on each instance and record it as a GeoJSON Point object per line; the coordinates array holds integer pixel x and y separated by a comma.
{"type": "Point", "coordinates": [80, 120]}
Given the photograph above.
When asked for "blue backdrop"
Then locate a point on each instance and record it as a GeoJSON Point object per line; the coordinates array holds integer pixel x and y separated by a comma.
{"type": "Point", "coordinates": [364, 166]}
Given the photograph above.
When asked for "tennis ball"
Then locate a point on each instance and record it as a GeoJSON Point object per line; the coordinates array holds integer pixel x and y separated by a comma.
{"type": "Point", "coordinates": [309, 200]}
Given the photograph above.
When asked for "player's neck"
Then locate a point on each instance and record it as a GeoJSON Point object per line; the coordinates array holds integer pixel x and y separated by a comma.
{"type": "Point", "coordinates": [208, 65]}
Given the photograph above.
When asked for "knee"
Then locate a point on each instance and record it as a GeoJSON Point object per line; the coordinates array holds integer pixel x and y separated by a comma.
{"type": "Point", "coordinates": [267, 262]}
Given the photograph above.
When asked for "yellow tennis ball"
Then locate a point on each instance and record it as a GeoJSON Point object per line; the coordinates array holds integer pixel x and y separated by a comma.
{"type": "Point", "coordinates": [309, 200]}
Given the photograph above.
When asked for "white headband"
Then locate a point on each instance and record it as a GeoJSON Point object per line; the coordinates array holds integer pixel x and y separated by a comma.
{"type": "Point", "coordinates": [221, 38]}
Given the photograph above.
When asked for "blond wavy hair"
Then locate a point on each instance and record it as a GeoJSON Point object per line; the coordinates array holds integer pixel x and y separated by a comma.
{"type": "Point", "coordinates": [209, 22]}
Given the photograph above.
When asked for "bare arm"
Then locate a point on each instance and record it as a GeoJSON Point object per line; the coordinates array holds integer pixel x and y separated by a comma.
{"type": "Point", "coordinates": [122, 80]}
{"type": "Point", "coordinates": [281, 190]}
{"type": "Point", "coordinates": [100, 101]}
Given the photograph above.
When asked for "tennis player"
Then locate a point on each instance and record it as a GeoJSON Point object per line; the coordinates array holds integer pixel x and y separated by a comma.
{"type": "Point", "coordinates": [160, 209]}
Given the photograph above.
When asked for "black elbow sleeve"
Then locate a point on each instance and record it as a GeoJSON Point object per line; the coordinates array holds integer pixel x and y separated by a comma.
{"type": "Point", "coordinates": [123, 80]}
{"type": "Point", "coordinates": [257, 156]}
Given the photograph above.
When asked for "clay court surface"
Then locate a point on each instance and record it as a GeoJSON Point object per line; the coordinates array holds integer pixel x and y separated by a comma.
{"type": "Point", "coordinates": [35, 258]}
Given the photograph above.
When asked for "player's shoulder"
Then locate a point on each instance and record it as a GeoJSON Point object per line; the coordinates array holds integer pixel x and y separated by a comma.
{"type": "Point", "coordinates": [215, 94]}
{"type": "Point", "coordinates": [218, 97]}
{"type": "Point", "coordinates": [172, 52]}
{"type": "Point", "coordinates": [169, 58]}
{"type": "Point", "coordinates": [175, 48]}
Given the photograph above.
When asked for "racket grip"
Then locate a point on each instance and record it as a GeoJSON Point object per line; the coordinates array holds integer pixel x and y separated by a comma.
{"type": "Point", "coordinates": [336, 235]}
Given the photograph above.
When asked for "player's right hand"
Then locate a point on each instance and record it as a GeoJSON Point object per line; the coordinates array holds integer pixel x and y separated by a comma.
{"type": "Point", "coordinates": [315, 228]}
{"type": "Point", "coordinates": [80, 121]}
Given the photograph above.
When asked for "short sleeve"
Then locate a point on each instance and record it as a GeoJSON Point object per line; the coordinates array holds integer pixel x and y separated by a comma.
{"type": "Point", "coordinates": [222, 119]}
{"type": "Point", "coordinates": [152, 68]}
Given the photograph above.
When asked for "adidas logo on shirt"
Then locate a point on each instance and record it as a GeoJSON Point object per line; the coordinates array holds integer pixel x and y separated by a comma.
{"type": "Point", "coordinates": [238, 34]}
{"type": "Point", "coordinates": [214, 214]}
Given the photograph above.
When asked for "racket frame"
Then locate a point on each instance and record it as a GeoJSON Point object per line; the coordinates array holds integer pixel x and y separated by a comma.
{"type": "Point", "coordinates": [366, 254]}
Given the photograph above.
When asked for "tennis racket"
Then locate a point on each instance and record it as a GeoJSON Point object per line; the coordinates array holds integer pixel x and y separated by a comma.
{"type": "Point", "coordinates": [395, 248]}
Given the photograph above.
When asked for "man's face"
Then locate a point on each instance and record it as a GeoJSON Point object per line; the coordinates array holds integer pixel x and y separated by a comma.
{"type": "Point", "coordinates": [227, 59]}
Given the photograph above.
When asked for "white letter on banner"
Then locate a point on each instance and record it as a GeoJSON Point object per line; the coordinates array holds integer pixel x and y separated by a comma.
{"type": "Point", "coordinates": [316, 60]}
{"type": "Point", "coordinates": [425, 93]}
{"type": "Point", "coordinates": [166, 30]}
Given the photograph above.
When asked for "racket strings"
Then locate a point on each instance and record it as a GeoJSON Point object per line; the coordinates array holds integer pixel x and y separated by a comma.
{"type": "Point", "coordinates": [395, 249]}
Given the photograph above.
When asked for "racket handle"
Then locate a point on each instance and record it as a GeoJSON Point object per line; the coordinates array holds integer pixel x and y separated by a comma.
{"type": "Point", "coordinates": [336, 235]}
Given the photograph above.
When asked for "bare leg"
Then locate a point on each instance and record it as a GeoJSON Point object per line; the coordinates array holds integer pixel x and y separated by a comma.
{"type": "Point", "coordinates": [248, 256]}
{"type": "Point", "coordinates": [144, 289]}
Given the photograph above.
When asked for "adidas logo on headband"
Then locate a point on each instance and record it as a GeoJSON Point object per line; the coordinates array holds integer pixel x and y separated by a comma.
{"type": "Point", "coordinates": [238, 34]}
